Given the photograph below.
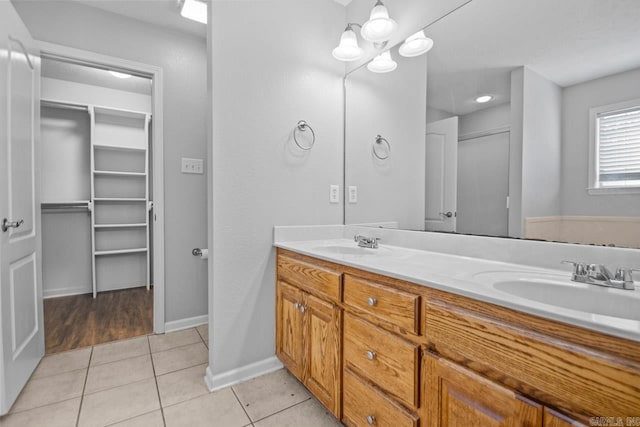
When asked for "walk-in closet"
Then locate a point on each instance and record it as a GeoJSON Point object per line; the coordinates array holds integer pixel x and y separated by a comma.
{"type": "Point", "coordinates": [97, 246]}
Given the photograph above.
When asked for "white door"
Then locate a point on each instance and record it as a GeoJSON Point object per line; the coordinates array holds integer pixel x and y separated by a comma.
{"type": "Point", "coordinates": [441, 175]}
{"type": "Point", "coordinates": [21, 323]}
{"type": "Point", "coordinates": [483, 185]}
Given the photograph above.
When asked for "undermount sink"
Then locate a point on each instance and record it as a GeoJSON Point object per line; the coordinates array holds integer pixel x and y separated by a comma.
{"type": "Point", "coordinates": [592, 299]}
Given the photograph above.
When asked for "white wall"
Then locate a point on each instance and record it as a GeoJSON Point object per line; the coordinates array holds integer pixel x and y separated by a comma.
{"type": "Point", "coordinates": [183, 60]}
{"type": "Point", "coordinates": [535, 148]}
{"type": "Point", "coordinates": [487, 119]}
{"type": "Point", "coordinates": [577, 100]}
{"type": "Point", "coordinates": [394, 106]}
{"type": "Point", "coordinates": [411, 16]}
{"type": "Point", "coordinates": [80, 93]}
{"type": "Point", "coordinates": [277, 70]}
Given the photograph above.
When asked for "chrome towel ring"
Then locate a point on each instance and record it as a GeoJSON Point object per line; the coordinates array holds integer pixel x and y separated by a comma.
{"type": "Point", "coordinates": [380, 141]}
{"type": "Point", "coordinates": [302, 127]}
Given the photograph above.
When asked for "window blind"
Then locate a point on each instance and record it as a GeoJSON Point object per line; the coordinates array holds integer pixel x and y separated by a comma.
{"type": "Point", "coordinates": [619, 147]}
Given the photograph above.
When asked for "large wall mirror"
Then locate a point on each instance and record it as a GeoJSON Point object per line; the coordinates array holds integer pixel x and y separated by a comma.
{"type": "Point", "coordinates": [553, 152]}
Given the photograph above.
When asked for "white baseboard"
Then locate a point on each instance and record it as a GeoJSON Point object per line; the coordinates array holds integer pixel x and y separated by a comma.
{"type": "Point", "coordinates": [190, 322]}
{"type": "Point", "coordinates": [65, 292]}
{"type": "Point", "coordinates": [243, 373]}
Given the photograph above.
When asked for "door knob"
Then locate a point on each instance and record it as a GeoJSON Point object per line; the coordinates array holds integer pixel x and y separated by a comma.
{"type": "Point", "coordinates": [447, 214]}
{"type": "Point", "coordinates": [13, 224]}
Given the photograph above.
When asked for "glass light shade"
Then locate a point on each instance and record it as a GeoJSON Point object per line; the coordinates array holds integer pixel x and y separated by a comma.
{"type": "Point", "coordinates": [416, 45]}
{"type": "Point", "coordinates": [379, 27]}
{"type": "Point", "coordinates": [348, 49]}
{"type": "Point", "coordinates": [382, 63]}
{"type": "Point", "coordinates": [196, 10]}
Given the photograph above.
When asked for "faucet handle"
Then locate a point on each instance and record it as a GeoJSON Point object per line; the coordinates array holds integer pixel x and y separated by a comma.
{"type": "Point", "coordinates": [624, 277]}
{"type": "Point", "coordinates": [579, 268]}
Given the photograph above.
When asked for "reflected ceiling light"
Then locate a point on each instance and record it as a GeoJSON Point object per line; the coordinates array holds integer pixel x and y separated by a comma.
{"type": "Point", "coordinates": [382, 63]}
{"type": "Point", "coordinates": [119, 74]}
{"type": "Point", "coordinates": [348, 49]}
{"type": "Point", "coordinates": [416, 45]}
{"type": "Point", "coordinates": [379, 27]}
{"type": "Point", "coordinates": [196, 10]}
{"type": "Point", "coordinates": [484, 99]}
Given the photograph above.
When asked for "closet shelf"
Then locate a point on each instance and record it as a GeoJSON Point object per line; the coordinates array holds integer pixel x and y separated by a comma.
{"type": "Point", "coordinates": [121, 251]}
{"type": "Point", "coordinates": [119, 148]}
{"type": "Point", "coordinates": [108, 226]}
{"type": "Point", "coordinates": [119, 199]}
{"type": "Point", "coordinates": [118, 173]}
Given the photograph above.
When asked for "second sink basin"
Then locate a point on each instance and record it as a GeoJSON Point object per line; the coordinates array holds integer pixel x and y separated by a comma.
{"type": "Point", "coordinates": [576, 296]}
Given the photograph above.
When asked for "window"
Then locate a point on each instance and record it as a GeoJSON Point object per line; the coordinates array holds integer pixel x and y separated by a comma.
{"type": "Point", "coordinates": [615, 148]}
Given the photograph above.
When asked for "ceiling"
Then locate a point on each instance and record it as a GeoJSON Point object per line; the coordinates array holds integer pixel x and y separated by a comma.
{"type": "Point", "coordinates": [567, 41]}
{"type": "Point", "coordinates": [93, 76]}
{"type": "Point", "coordinates": [163, 13]}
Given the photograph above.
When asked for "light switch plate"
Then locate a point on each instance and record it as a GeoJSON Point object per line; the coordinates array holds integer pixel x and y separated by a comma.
{"type": "Point", "coordinates": [192, 165]}
{"type": "Point", "coordinates": [334, 193]}
{"type": "Point", "coordinates": [353, 194]}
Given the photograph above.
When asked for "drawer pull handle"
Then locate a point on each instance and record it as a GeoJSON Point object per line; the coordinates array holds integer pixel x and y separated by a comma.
{"type": "Point", "coordinates": [372, 301]}
{"type": "Point", "coordinates": [371, 419]}
{"type": "Point", "coordinates": [371, 355]}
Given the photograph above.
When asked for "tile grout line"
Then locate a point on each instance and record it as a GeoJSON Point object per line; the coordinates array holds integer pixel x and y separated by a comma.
{"type": "Point", "coordinates": [241, 405]}
{"type": "Point", "coordinates": [84, 386]}
{"type": "Point", "coordinates": [155, 378]}
{"type": "Point", "coordinates": [285, 409]}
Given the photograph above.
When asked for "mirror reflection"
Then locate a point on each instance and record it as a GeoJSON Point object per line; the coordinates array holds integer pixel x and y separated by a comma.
{"type": "Point", "coordinates": [522, 121]}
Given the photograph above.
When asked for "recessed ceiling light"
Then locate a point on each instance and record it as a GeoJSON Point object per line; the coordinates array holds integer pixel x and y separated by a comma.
{"type": "Point", "coordinates": [483, 99]}
{"type": "Point", "coordinates": [119, 74]}
{"type": "Point", "coordinates": [195, 10]}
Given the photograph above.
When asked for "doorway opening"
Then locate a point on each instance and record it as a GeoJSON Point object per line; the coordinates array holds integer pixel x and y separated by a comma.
{"type": "Point", "coordinates": [101, 198]}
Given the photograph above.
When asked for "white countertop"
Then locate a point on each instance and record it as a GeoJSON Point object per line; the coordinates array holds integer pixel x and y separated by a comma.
{"type": "Point", "coordinates": [475, 278]}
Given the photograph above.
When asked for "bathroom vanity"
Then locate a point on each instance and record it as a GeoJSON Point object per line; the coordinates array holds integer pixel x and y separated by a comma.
{"type": "Point", "coordinates": [380, 342]}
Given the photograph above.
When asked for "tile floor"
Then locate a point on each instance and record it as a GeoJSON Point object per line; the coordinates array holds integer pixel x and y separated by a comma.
{"type": "Point", "coordinates": [156, 380]}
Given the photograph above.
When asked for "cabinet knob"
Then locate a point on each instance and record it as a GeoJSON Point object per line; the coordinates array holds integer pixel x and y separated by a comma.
{"type": "Point", "coordinates": [371, 355]}
{"type": "Point", "coordinates": [302, 308]}
{"type": "Point", "coordinates": [297, 306]}
{"type": "Point", "coordinates": [372, 301]}
{"type": "Point", "coordinates": [371, 419]}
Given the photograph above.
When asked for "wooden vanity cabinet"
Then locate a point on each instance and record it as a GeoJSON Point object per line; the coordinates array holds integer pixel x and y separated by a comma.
{"type": "Point", "coordinates": [380, 351]}
{"type": "Point", "coordinates": [457, 396]}
{"type": "Point", "coordinates": [309, 332]}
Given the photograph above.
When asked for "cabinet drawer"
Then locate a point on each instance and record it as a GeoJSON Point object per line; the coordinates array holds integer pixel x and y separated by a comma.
{"type": "Point", "coordinates": [392, 305]}
{"type": "Point", "coordinates": [363, 406]}
{"type": "Point", "coordinates": [388, 361]}
{"type": "Point", "coordinates": [316, 279]}
{"type": "Point", "coordinates": [574, 379]}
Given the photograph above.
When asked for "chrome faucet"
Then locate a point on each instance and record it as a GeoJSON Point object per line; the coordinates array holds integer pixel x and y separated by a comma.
{"type": "Point", "coordinates": [598, 274]}
{"type": "Point", "coordinates": [366, 242]}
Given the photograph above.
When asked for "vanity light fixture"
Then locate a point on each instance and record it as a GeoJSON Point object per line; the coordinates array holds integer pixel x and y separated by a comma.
{"type": "Point", "coordinates": [484, 99]}
{"type": "Point", "coordinates": [196, 10]}
{"type": "Point", "coordinates": [416, 45]}
{"type": "Point", "coordinates": [119, 75]}
{"type": "Point", "coordinates": [348, 49]}
{"type": "Point", "coordinates": [379, 27]}
{"type": "Point", "coordinates": [382, 63]}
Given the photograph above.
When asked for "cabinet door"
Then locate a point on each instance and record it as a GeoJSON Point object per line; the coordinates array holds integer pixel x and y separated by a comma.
{"type": "Point", "coordinates": [455, 396]}
{"type": "Point", "coordinates": [322, 351]}
{"type": "Point", "coordinates": [556, 419]}
{"type": "Point", "coordinates": [289, 327]}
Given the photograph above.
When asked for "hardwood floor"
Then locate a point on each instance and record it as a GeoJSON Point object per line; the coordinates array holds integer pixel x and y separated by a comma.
{"type": "Point", "coordinates": [80, 321]}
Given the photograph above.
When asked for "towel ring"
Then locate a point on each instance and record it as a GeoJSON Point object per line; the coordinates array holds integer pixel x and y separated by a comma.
{"type": "Point", "coordinates": [381, 140]}
{"type": "Point", "coordinates": [302, 127]}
